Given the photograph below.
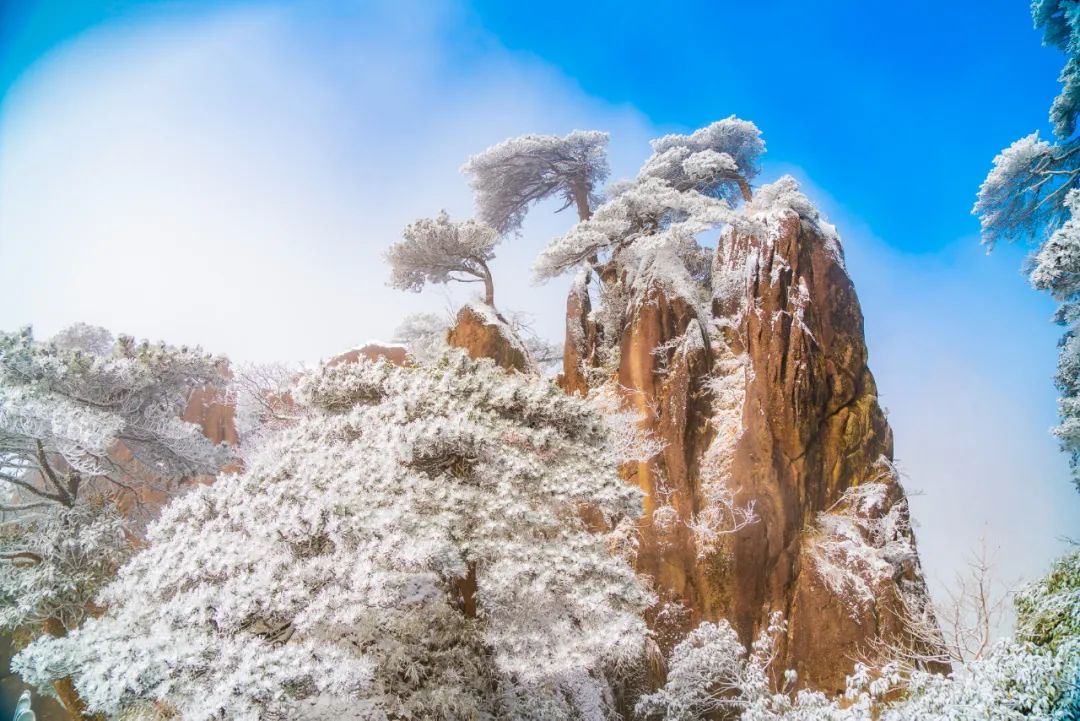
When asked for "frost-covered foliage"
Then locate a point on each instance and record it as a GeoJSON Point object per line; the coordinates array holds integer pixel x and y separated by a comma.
{"type": "Point", "coordinates": [1023, 195]}
{"type": "Point", "coordinates": [55, 563]}
{"type": "Point", "coordinates": [628, 442]}
{"type": "Point", "coordinates": [1060, 23]}
{"type": "Point", "coordinates": [510, 177]}
{"type": "Point", "coordinates": [718, 160]}
{"type": "Point", "coordinates": [91, 339]}
{"type": "Point", "coordinates": [1031, 194]}
{"type": "Point", "coordinates": [63, 411]}
{"type": "Point", "coordinates": [711, 675]}
{"type": "Point", "coordinates": [864, 539]}
{"type": "Point", "coordinates": [1048, 612]}
{"type": "Point", "coordinates": [82, 430]}
{"type": "Point", "coordinates": [261, 396]}
{"type": "Point", "coordinates": [414, 549]}
{"type": "Point", "coordinates": [439, 251]}
{"type": "Point", "coordinates": [1055, 268]}
{"type": "Point", "coordinates": [423, 335]}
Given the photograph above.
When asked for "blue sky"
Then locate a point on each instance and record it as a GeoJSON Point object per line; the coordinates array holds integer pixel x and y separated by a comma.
{"type": "Point", "coordinates": [229, 173]}
{"type": "Point", "coordinates": [895, 107]}
{"type": "Point", "coordinates": [892, 106]}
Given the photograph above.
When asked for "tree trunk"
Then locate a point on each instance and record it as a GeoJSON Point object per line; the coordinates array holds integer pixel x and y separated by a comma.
{"type": "Point", "coordinates": [745, 188]}
{"type": "Point", "coordinates": [65, 687]}
{"type": "Point", "coordinates": [466, 588]}
{"type": "Point", "coordinates": [489, 290]}
{"type": "Point", "coordinates": [580, 191]}
{"type": "Point", "coordinates": [581, 200]}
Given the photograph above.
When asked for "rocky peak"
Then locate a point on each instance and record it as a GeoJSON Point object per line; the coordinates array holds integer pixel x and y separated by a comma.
{"type": "Point", "coordinates": [763, 396]}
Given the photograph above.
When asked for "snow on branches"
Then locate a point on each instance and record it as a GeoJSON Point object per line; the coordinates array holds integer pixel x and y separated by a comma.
{"type": "Point", "coordinates": [862, 540]}
{"type": "Point", "coordinates": [82, 428]}
{"type": "Point", "coordinates": [412, 549]}
{"type": "Point", "coordinates": [510, 177]}
{"type": "Point", "coordinates": [55, 563]}
{"type": "Point", "coordinates": [712, 675]}
{"type": "Point", "coordinates": [439, 251]}
{"type": "Point", "coordinates": [1016, 200]}
{"type": "Point", "coordinates": [718, 160]}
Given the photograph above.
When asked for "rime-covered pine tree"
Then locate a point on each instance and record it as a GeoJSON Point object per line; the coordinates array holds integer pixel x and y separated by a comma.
{"type": "Point", "coordinates": [89, 430]}
{"type": "Point", "coordinates": [689, 184]}
{"type": "Point", "coordinates": [413, 548]}
{"type": "Point", "coordinates": [510, 177]}
{"type": "Point", "coordinates": [439, 251]}
{"type": "Point", "coordinates": [720, 159]}
{"type": "Point", "coordinates": [643, 236]}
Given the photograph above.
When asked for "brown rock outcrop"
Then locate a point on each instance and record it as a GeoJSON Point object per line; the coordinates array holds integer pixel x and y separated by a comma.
{"type": "Point", "coordinates": [396, 354]}
{"type": "Point", "coordinates": [812, 430]}
{"type": "Point", "coordinates": [669, 394]}
{"type": "Point", "coordinates": [581, 341]}
{"type": "Point", "coordinates": [208, 408]}
{"type": "Point", "coordinates": [768, 394]}
{"type": "Point", "coordinates": [483, 333]}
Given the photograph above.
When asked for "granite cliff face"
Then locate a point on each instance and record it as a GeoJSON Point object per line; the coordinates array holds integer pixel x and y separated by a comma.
{"type": "Point", "coordinates": [763, 394]}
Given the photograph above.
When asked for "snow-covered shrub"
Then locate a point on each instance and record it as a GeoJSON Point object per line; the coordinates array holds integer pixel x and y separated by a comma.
{"type": "Point", "coordinates": [412, 550]}
{"type": "Point", "coordinates": [1048, 612]}
{"type": "Point", "coordinates": [423, 335]}
{"type": "Point", "coordinates": [84, 427]}
{"type": "Point", "coordinates": [712, 675]}
{"type": "Point", "coordinates": [84, 337]}
{"type": "Point", "coordinates": [864, 539]}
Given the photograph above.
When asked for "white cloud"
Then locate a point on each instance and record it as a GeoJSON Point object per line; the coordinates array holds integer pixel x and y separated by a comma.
{"type": "Point", "coordinates": [240, 174]}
